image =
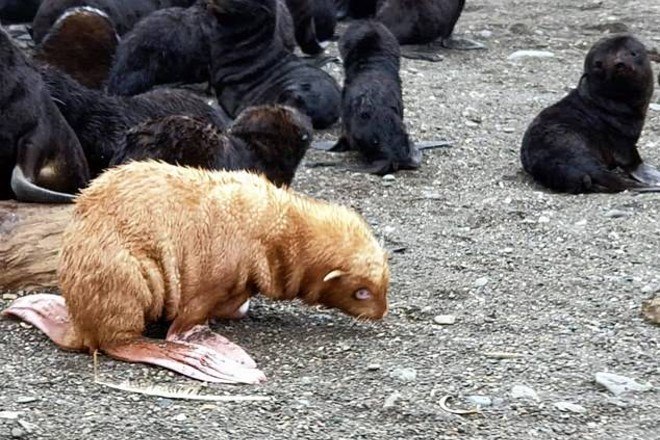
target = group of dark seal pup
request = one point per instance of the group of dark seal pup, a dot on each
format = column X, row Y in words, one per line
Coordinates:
column 103, row 67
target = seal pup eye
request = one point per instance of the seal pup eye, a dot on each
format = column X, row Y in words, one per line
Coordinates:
column 598, row 64
column 362, row 295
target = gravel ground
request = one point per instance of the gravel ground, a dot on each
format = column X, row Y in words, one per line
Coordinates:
column 555, row 281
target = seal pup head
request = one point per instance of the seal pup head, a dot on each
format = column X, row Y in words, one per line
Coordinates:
column 351, row 268
column 278, row 135
column 617, row 67
column 82, row 43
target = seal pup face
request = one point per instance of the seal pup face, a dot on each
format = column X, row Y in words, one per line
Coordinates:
column 348, row 268
column 380, row 135
column 618, row 67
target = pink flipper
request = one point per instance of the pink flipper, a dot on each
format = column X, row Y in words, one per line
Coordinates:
column 202, row 335
column 49, row 314
column 191, row 360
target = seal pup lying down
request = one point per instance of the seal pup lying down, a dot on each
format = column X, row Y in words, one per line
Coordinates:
column 41, row 159
column 271, row 140
column 372, row 105
column 587, row 142
column 151, row 241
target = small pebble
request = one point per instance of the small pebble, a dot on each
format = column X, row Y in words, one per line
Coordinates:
column 471, row 124
column 26, row 399
column 481, row 282
column 9, row 415
column 524, row 392
column 373, row 367
column 544, row 219
column 180, row 417
column 655, row 107
column 9, row 296
column 479, row 400
column 570, row 407
column 530, row 54
column 17, row 433
column 404, row 374
column 485, row 34
column 391, row 400
column 445, row 319
column 616, row 213
column 508, row 129
column 619, row 385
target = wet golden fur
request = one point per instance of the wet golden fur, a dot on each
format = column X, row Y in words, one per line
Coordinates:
column 150, row 240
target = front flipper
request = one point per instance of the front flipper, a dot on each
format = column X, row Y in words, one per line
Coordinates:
column 462, row 44
column 646, row 174
column 432, row 145
column 340, row 146
column 27, row 191
column 49, row 314
column 195, row 361
column 202, row 335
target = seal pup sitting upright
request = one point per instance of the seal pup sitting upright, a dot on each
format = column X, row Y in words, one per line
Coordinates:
column 151, row 241
column 263, row 71
column 271, row 140
column 587, row 142
column 41, row 159
column 372, row 105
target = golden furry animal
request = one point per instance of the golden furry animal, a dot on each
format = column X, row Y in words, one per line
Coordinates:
column 151, row 241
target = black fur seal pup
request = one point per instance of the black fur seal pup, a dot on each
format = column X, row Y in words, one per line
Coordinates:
column 271, row 140
column 325, row 19
column 82, row 42
column 304, row 25
column 101, row 121
column 587, row 142
column 172, row 46
column 124, row 14
column 263, row 71
column 372, row 105
column 18, row 11
column 41, row 159
column 420, row 22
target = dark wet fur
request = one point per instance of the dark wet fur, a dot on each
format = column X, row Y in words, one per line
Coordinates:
column 33, row 133
column 82, row 44
column 18, row 11
column 172, row 46
column 305, row 29
column 123, row 13
column 372, row 106
column 325, row 19
column 587, row 142
column 355, row 8
column 268, row 139
column 420, row 21
column 263, row 71
column 101, row 121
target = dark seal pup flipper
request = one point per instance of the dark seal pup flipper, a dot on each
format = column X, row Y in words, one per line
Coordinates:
column 462, row 44
column 339, row 146
column 25, row 190
column 646, row 174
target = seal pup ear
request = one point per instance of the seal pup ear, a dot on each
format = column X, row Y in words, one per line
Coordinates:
column 333, row 275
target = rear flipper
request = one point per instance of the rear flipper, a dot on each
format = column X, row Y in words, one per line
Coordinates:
column 462, row 44
column 49, row 314
column 646, row 174
column 202, row 335
column 433, row 51
column 82, row 43
column 192, row 360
